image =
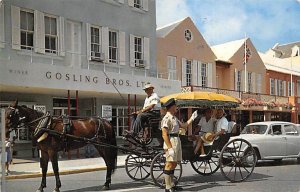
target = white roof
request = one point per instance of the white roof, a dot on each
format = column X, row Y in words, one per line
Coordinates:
column 286, row 49
column 270, row 123
column 165, row 30
column 281, row 65
column 226, row 50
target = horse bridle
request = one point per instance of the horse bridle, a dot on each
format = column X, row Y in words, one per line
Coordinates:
column 15, row 119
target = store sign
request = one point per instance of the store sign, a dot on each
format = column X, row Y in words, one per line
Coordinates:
column 59, row 77
column 107, row 112
column 40, row 108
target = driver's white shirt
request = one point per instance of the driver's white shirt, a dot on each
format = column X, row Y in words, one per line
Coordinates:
column 153, row 99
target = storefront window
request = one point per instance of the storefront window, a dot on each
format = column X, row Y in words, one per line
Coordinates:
column 60, row 106
column 281, row 116
column 257, row 116
column 120, row 119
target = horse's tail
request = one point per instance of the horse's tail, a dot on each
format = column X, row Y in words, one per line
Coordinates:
column 114, row 151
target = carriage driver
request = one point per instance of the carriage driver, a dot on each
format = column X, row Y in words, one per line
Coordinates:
column 172, row 146
column 151, row 108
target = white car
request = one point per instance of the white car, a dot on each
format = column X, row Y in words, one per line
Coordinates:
column 273, row 140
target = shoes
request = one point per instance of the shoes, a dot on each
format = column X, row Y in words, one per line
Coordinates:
column 169, row 190
column 202, row 155
column 177, row 188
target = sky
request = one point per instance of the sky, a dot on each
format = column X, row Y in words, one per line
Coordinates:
column 265, row 22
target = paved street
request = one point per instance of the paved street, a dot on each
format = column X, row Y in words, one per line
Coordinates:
column 267, row 177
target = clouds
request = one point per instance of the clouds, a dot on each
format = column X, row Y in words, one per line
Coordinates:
column 265, row 21
column 168, row 11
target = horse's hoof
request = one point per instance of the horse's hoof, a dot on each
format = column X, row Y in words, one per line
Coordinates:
column 39, row 190
column 105, row 187
column 56, row 190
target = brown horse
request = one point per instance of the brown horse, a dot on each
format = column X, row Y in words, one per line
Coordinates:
column 96, row 129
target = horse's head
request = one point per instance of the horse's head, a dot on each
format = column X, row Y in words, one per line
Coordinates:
column 14, row 116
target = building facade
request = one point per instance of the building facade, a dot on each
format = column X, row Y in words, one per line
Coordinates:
column 283, row 75
column 79, row 58
column 183, row 54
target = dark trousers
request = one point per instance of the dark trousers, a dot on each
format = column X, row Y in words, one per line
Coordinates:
column 139, row 121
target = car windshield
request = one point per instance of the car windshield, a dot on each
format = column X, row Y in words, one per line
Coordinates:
column 255, row 129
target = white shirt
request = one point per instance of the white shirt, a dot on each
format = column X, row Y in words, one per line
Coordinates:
column 222, row 124
column 207, row 126
column 231, row 124
column 153, row 99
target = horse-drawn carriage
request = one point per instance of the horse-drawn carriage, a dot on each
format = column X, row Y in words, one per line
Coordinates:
column 234, row 157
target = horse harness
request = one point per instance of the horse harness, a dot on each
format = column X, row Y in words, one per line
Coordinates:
column 46, row 122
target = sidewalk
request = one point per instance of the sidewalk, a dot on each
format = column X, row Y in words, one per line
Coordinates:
column 23, row 168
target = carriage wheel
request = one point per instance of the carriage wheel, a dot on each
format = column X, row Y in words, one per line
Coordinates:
column 157, row 168
column 237, row 160
column 137, row 168
column 206, row 165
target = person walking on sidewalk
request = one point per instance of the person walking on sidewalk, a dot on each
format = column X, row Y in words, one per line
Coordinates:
column 172, row 145
column 8, row 146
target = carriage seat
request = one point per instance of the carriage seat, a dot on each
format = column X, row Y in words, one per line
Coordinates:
column 154, row 122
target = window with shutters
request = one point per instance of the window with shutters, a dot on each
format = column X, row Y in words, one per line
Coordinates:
column 298, row 88
column 27, row 29
column 172, row 68
column 50, row 34
column 279, row 88
column 239, row 81
column 249, row 82
column 138, row 50
column 290, row 88
column 204, row 75
column 188, row 73
column 137, row 4
column 95, row 43
column 113, row 46
column 272, row 86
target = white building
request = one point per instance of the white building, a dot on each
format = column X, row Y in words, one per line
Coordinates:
column 98, row 51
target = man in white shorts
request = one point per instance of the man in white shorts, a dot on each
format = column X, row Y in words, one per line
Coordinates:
column 172, row 145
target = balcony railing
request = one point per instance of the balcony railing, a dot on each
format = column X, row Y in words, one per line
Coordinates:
column 239, row 94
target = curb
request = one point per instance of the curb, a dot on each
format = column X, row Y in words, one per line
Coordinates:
column 65, row 172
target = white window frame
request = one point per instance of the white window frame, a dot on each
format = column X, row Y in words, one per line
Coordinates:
column 290, row 90
column 204, row 78
column 239, row 81
column 188, row 72
column 272, row 86
column 26, row 31
column 138, row 4
column 249, row 82
column 280, row 88
column 137, row 51
column 94, row 44
column 51, row 51
column 113, row 48
column 172, row 73
column 298, row 87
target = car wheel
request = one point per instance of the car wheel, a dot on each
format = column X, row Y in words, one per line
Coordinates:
column 298, row 160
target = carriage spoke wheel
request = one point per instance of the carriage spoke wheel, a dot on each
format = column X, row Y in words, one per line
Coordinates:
column 157, row 168
column 237, row 160
column 137, row 168
column 206, row 165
